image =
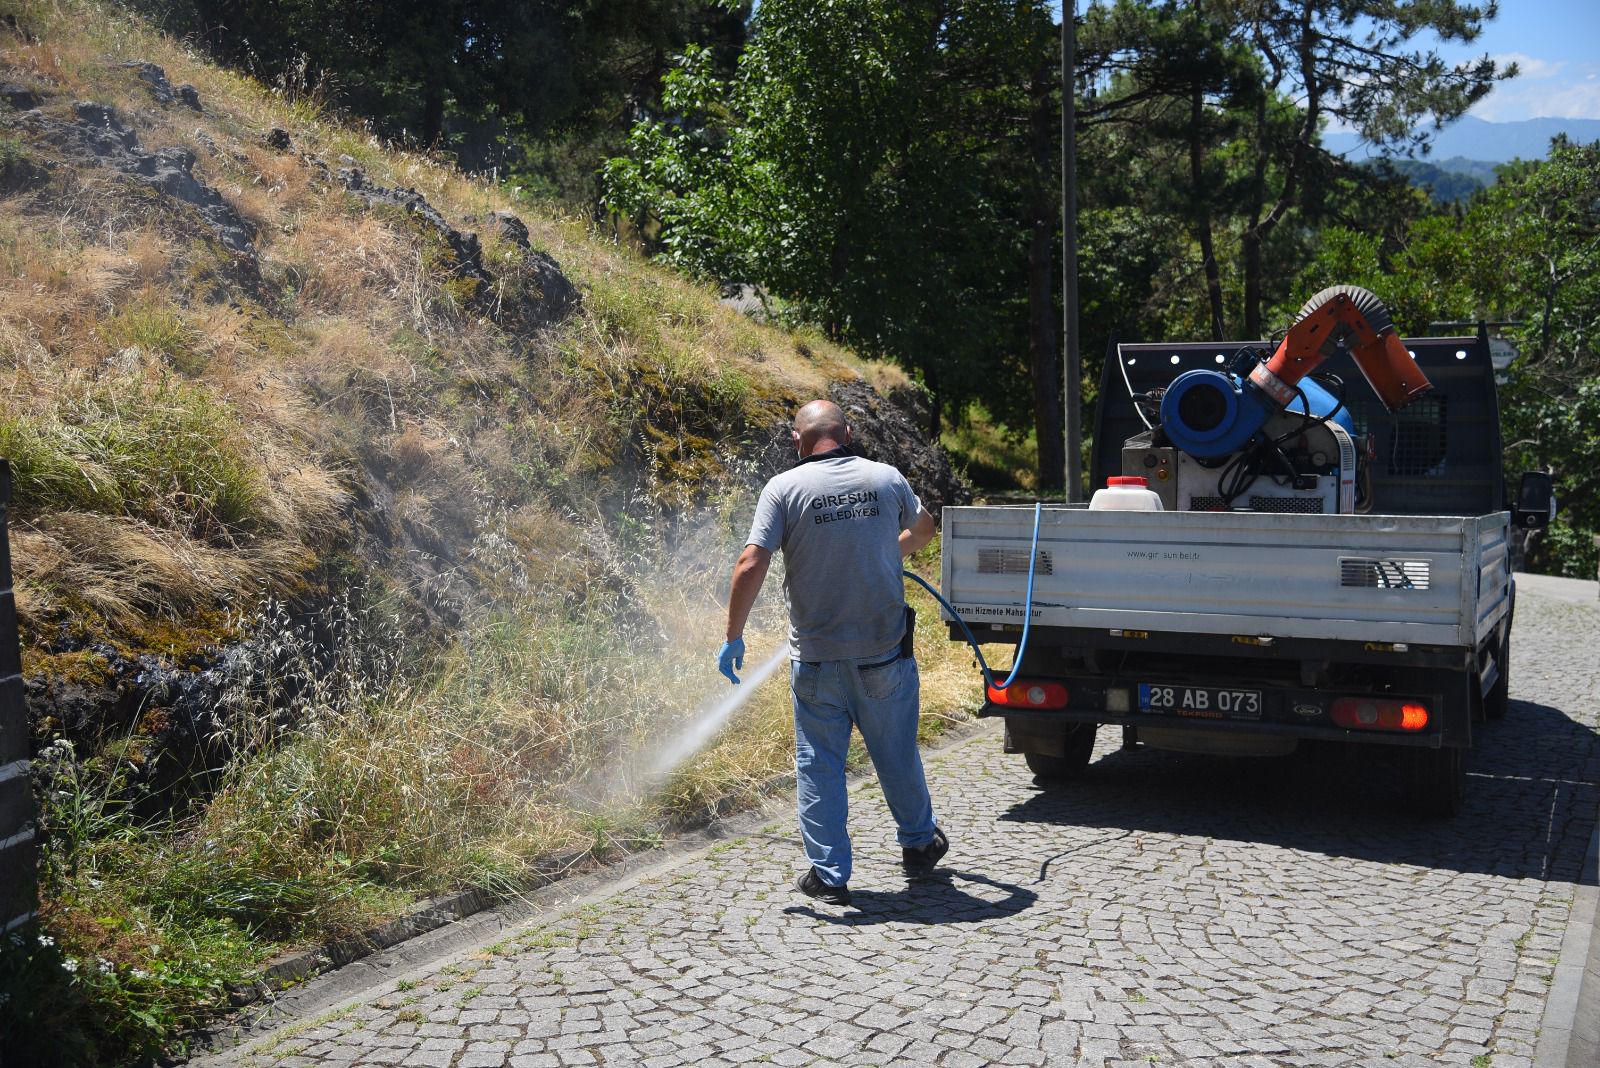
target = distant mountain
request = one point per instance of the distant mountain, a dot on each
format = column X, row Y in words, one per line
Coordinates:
column 1480, row 170
column 1447, row 182
column 1476, row 139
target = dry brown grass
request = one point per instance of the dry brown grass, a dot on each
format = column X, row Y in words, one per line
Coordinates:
column 350, row 266
column 120, row 569
column 116, row 291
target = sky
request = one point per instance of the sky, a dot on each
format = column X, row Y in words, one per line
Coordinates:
column 1556, row 45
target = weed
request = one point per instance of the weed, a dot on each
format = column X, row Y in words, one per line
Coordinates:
column 163, row 451
column 158, row 329
column 12, row 152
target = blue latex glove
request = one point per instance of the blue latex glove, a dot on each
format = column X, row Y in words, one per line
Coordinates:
column 731, row 656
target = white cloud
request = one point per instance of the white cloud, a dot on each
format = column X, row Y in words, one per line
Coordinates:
column 1529, row 68
column 1575, row 94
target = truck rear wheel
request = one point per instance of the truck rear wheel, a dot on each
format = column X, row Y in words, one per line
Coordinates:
column 1498, row 700
column 1077, row 748
column 1437, row 782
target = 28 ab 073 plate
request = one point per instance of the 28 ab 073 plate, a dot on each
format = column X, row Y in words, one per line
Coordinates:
column 1199, row 702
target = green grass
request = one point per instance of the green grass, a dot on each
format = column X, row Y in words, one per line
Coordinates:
column 992, row 457
column 165, row 451
column 158, row 329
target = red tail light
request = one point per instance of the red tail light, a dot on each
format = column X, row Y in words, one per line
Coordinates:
column 1379, row 714
column 1030, row 693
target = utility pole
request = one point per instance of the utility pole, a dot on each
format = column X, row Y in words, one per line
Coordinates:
column 1072, row 369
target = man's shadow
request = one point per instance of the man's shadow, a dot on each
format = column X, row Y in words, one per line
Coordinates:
column 927, row 899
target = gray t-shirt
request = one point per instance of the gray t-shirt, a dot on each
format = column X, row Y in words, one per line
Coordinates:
column 838, row 521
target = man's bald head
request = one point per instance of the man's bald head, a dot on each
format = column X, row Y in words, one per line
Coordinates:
column 820, row 426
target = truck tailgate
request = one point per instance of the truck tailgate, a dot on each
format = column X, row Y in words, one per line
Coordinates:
column 1430, row 580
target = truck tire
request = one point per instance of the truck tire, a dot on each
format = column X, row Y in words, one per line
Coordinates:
column 1437, row 782
column 1498, row 700
column 1077, row 747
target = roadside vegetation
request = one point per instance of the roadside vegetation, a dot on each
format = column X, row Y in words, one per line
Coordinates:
column 419, row 566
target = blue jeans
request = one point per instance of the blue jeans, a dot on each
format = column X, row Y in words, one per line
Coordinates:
column 880, row 699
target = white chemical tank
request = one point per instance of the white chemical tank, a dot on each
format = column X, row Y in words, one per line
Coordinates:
column 1126, row 493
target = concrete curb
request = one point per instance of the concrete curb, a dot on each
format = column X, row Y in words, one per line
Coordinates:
column 1569, row 1034
column 288, row 969
column 298, row 985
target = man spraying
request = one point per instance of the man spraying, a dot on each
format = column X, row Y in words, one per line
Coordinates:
column 844, row 523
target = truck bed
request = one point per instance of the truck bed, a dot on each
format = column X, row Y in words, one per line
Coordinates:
column 1425, row 580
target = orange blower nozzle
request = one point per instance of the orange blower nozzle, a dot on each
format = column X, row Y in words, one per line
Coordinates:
column 1352, row 317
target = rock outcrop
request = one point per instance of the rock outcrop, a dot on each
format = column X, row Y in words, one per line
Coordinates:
column 546, row 297
column 155, row 79
column 98, row 137
column 465, row 247
column 886, row 428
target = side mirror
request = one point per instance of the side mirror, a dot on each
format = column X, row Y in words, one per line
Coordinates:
column 1536, row 501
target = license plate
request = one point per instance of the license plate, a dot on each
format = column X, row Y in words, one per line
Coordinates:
column 1199, row 702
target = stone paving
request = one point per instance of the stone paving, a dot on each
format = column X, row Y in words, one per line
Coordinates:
column 1167, row 910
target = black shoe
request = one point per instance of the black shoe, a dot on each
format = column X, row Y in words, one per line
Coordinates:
column 923, row 859
column 811, row 885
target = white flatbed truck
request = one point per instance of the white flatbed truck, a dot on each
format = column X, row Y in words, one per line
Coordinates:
column 1250, row 632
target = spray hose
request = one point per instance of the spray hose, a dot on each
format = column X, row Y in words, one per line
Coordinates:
column 1027, row 612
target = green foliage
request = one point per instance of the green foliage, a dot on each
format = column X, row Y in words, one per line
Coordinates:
column 532, row 87
column 863, row 165
column 112, row 973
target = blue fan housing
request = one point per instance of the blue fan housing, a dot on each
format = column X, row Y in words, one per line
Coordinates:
column 1210, row 414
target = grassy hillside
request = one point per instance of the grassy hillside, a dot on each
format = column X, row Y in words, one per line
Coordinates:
column 364, row 536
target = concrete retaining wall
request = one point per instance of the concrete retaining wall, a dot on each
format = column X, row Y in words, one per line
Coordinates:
column 18, row 847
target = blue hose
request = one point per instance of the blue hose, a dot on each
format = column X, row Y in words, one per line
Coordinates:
column 1027, row 611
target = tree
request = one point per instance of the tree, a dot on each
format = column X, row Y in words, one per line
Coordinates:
column 1353, row 63
column 1245, row 87
column 878, row 166
column 514, row 84
column 1539, row 227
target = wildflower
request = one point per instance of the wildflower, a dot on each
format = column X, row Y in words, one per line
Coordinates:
column 46, row 941
column 69, row 965
column 139, row 973
column 106, row 967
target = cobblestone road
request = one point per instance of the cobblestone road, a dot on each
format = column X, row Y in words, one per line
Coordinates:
column 1169, row 910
